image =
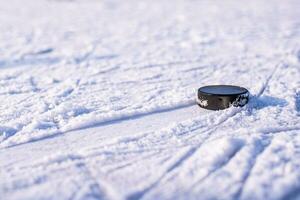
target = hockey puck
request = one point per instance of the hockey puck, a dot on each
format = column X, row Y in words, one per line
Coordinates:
column 219, row 97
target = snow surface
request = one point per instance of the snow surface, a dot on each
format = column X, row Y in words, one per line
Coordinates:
column 98, row 99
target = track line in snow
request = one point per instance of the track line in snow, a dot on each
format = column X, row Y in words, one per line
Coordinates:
column 248, row 174
column 297, row 102
column 173, row 164
column 135, row 116
column 268, row 79
column 93, row 186
column 131, row 162
column 272, row 130
column 169, row 64
column 221, row 119
column 222, row 164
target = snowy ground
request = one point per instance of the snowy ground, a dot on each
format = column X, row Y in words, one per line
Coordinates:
column 98, row 99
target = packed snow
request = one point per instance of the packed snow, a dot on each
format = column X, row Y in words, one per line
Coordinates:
column 98, row 99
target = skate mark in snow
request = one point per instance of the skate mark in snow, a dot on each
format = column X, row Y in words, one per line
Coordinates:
column 173, row 164
column 268, row 79
column 169, row 64
column 88, row 56
column 220, row 120
column 124, row 117
column 45, row 51
column 39, row 52
column 34, row 85
column 31, row 140
column 297, row 102
column 270, row 130
column 92, row 187
column 131, row 163
column 261, row 148
column 236, row 146
column 106, row 70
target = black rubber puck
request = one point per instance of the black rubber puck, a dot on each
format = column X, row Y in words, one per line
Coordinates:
column 219, row 97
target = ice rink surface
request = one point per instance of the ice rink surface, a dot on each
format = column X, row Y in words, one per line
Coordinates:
column 98, row 99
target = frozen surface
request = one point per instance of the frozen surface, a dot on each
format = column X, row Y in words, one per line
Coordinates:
column 98, row 99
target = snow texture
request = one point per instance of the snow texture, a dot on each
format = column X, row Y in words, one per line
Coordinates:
column 98, row 99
